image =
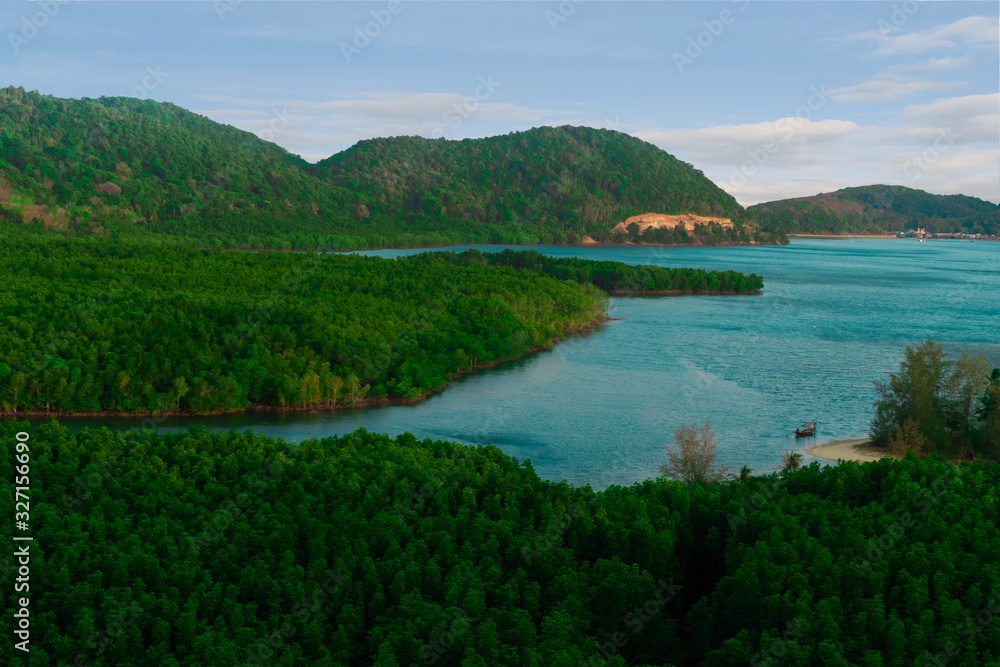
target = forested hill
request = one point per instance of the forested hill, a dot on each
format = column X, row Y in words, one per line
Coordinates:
column 875, row 209
column 133, row 168
column 567, row 182
column 119, row 163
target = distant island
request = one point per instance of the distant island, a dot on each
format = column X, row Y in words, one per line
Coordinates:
column 116, row 167
column 883, row 210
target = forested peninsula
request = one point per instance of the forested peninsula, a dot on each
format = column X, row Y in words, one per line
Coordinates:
column 95, row 327
column 237, row 549
column 123, row 168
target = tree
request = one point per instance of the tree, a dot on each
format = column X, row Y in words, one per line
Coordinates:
column 936, row 403
column 987, row 436
column 990, row 410
column 745, row 473
column 354, row 387
column 332, row 385
column 907, row 437
column 913, row 393
column 693, row 460
column 968, row 381
column 385, row 657
column 791, row 461
column 179, row 390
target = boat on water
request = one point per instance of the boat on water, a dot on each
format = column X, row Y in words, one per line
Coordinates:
column 807, row 432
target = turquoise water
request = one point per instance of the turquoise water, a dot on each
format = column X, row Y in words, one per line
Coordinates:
column 834, row 316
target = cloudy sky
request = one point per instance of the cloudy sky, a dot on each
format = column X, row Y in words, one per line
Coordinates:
column 769, row 99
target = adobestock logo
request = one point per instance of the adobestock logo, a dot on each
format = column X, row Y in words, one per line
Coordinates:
column 900, row 15
column 363, row 36
column 714, row 28
column 915, row 167
column 566, row 9
column 786, row 128
column 223, row 7
column 154, row 77
column 463, row 110
column 31, row 25
column 280, row 120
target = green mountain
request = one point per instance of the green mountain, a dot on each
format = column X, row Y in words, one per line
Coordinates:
column 130, row 165
column 134, row 168
column 875, row 209
column 555, row 183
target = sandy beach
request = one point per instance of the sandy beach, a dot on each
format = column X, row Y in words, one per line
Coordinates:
column 856, row 449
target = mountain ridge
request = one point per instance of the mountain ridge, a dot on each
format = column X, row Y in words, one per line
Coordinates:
column 114, row 166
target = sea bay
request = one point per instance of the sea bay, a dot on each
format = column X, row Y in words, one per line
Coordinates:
column 834, row 316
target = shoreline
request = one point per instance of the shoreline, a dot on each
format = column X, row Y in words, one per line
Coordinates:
column 854, row 449
column 515, row 245
column 677, row 292
column 314, row 408
column 841, row 236
column 875, row 236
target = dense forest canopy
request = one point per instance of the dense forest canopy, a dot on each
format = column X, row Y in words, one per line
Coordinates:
column 88, row 325
column 617, row 277
column 224, row 549
column 875, row 209
column 123, row 167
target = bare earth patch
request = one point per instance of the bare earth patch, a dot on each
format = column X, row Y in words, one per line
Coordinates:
column 662, row 220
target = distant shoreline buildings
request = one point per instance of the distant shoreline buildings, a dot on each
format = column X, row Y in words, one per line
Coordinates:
column 924, row 234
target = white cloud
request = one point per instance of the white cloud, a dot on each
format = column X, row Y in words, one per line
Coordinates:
column 728, row 144
column 916, row 149
column 954, row 108
column 237, row 101
column 969, row 31
column 217, row 113
column 974, row 118
column 932, row 65
column 894, row 83
column 318, row 129
column 947, row 169
column 417, row 109
column 953, row 170
column 425, row 107
column 888, row 89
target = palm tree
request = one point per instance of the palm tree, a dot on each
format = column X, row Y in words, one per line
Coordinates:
column 791, row 461
column 744, row 475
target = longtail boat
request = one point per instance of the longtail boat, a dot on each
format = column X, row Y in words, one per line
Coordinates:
column 806, row 432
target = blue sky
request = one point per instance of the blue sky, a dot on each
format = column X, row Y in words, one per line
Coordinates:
column 769, row 99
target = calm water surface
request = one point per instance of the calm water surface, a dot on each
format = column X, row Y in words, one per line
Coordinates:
column 835, row 315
